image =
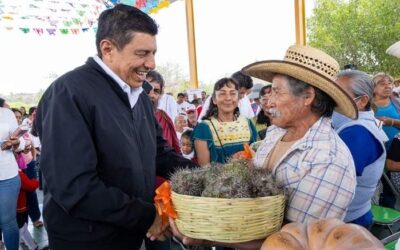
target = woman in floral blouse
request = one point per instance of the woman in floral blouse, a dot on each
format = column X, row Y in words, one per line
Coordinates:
column 222, row 131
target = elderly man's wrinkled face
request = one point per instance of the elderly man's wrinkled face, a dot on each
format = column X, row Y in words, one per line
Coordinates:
column 285, row 109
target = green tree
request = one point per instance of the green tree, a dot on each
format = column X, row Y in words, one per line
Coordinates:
column 357, row 32
column 175, row 79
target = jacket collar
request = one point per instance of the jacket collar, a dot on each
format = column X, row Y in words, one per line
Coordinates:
column 110, row 81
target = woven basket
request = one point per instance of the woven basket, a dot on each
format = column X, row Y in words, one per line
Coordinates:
column 228, row 220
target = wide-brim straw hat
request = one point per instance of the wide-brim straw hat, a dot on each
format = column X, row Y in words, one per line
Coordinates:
column 311, row 66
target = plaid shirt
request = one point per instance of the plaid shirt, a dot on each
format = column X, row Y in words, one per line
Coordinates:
column 317, row 172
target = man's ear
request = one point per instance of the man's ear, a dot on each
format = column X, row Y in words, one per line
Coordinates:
column 106, row 49
column 309, row 96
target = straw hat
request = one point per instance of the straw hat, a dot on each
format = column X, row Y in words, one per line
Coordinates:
column 312, row 66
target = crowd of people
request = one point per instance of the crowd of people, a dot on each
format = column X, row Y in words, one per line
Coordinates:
column 110, row 135
column 20, row 151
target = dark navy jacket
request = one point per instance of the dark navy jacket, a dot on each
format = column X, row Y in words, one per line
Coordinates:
column 99, row 159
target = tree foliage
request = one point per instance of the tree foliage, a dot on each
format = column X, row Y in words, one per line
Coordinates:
column 357, row 32
column 175, row 79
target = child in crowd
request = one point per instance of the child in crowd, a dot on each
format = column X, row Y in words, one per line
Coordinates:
column 187, row 145
column 27, row 185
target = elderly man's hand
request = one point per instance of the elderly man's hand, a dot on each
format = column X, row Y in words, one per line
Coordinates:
column 250, row 245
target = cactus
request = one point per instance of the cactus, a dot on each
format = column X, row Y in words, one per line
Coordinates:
column 231, row 180
column 263, row 183
column 239, row 162
column 230, row 183
column 187, row 182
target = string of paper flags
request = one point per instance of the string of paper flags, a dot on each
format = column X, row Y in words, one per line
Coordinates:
column 63, row 17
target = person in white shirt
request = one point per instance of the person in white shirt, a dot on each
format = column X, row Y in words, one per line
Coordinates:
column 182, row 104
column 3, row 103
column 245, row 108
column 9, row 179
column 245, row 85
column 254, row 97
column 168, row 104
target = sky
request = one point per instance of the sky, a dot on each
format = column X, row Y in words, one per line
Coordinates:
column 229, row 35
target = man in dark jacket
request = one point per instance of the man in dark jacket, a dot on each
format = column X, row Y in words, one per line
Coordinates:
column 101, row 145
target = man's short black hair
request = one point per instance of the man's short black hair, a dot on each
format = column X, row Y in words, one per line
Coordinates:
column 118, row 24
column 181, row 95
column 244, row 81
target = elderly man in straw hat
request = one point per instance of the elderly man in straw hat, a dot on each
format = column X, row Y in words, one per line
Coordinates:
column 301, row 149
column 303, row 152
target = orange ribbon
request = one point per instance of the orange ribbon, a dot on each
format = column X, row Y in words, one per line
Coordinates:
column 247, row 153
column 163, row 202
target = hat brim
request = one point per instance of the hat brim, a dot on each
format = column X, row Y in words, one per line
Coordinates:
column 266, row 70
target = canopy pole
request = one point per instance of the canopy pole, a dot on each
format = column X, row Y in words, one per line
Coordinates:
column 191, row 44
column 300, row 21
